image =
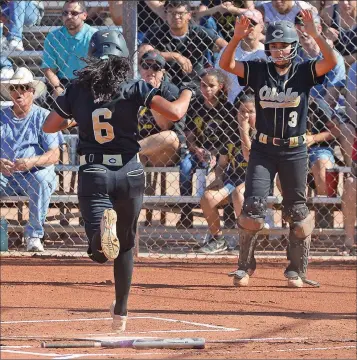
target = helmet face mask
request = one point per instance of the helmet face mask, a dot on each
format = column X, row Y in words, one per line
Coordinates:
column 108, row 42
column 282, row 32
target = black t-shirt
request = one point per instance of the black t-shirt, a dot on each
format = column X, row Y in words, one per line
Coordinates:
column 318, row 116
column 106, row 128
column 192, row 46
column 147, row 122
column 213, row 127
column 237, row 165
column 281, row 102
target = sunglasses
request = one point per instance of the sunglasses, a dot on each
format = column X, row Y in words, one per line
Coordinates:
column 252, row 23
column 72, row 13
column 154, row 66
column 20, row 87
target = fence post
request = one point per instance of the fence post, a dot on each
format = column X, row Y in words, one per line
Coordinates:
column 130, row 31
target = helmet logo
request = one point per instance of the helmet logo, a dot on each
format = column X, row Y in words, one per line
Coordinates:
column 278, row 34
column 105, row 34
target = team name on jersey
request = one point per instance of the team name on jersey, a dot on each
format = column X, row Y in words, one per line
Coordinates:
column 270, row 98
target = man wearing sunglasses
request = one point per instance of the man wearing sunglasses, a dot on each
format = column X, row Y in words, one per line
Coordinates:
column 182, row 43
column 160, row 139
column 64, row 47
column 27, row 154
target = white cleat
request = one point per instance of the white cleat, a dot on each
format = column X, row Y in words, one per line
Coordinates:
column 295, row 282
column 119, row 322
column 243, row 282
column 34, row 245
column 108, row 234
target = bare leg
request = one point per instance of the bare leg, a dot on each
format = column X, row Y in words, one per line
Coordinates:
column 160, row 149
column 209, row 203
column 238, row 199
column 319, row 172
column 346, row 140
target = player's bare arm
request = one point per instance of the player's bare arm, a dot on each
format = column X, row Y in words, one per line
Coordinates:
column 175, row 110
column 329, row 60
column 55, row 122
column 227, row 61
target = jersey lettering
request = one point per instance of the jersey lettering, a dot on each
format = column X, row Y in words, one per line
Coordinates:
column 270, row 98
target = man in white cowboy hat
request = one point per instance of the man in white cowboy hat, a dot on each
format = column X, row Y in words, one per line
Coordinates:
column 27, row 154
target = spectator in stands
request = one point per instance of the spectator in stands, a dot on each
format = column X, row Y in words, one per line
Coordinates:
column 209, row 119
column 335, row 79
column 230, row 175
column 346, row 42
column 65, row 47
column 224, row 13
column 276, row 10
column 348, row 125
column 159, row 138
column 340, row 16
column 183, row 45
column 250, row 48
column 18, row 14
column 322, row 4
column 349, row 208
column 319, row 139
column 27, row 154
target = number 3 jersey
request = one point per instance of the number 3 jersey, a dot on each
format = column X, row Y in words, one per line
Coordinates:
column 281, row 101
column 110, row 128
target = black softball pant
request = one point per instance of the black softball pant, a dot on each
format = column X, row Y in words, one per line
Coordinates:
column 266, row 161
column 102, row 187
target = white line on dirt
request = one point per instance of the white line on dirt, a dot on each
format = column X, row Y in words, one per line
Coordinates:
column 29, row 353
column 131, row 318
column 310, row 349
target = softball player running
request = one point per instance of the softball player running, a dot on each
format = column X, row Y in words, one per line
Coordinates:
column 111, row 180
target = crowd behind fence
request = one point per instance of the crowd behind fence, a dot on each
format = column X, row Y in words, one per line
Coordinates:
column 195, row 168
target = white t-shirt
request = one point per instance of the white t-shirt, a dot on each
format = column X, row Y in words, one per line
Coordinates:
column 240, row 55
column 271, row 14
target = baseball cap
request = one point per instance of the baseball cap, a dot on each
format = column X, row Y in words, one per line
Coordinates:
column 299, row 20
column 154, row 56
column 254, row 15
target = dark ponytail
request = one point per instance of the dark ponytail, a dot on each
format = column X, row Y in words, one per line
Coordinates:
column 103, row 76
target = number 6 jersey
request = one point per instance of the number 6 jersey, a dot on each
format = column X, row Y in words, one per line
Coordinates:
column 110, row 128
column 281, row 101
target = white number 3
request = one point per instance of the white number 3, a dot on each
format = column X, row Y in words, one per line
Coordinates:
column 293, row 119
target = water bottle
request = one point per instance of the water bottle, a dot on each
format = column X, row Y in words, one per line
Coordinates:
column 200, row 182
column 4, row 239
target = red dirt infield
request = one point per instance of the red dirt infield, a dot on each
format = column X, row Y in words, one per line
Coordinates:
column 48, row 298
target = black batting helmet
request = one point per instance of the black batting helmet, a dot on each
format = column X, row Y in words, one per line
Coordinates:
column 108, row 42
column 282, row 31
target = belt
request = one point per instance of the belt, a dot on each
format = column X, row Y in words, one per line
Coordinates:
column 111, row 160
column 290, row 142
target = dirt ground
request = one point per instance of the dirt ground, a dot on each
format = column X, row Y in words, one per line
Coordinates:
column 49, row 299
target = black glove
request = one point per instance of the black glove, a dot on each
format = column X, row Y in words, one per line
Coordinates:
column 189, row 86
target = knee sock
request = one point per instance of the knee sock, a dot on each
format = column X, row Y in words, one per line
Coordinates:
column 123, row 270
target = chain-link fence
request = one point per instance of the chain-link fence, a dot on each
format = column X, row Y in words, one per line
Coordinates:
column 196, row 167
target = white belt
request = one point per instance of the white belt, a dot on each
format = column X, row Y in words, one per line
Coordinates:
column 111, row 160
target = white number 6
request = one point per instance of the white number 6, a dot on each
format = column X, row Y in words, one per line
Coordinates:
column 103, row 131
